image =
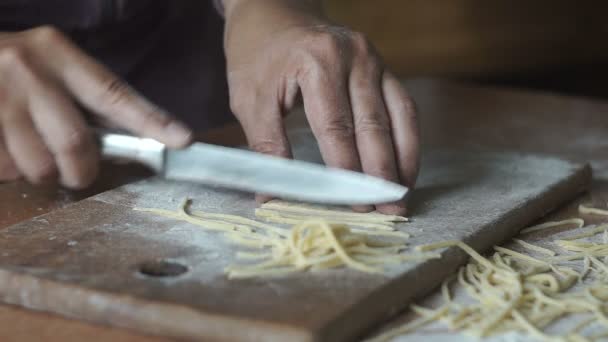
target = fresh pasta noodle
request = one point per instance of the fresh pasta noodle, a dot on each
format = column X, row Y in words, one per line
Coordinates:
column 308, row 210
column 535, row 248
column 588, row 233
column 582, row 209
column 576, row 221
column 312, row 243
column 514, row 291
column 283, row 218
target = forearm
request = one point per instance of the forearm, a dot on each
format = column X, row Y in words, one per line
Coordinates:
column 306, row 5
column 253, row 22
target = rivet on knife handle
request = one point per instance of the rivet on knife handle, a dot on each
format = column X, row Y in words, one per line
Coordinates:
column 147, row 151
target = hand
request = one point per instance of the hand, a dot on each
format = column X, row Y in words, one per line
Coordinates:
column 43, row 133
column 359, row 113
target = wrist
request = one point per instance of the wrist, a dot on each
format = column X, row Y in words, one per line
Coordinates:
column 274, row 11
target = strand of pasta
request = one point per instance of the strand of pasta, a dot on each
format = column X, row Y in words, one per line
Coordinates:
column 589, row 233
column 276, row 217
column 579, row 223
column 240, row 220
column 399, row 234
column 529, row 295
column 208, row 224
column 322, row 212
column 520, row 256
column 535, row 248
column 583, row 209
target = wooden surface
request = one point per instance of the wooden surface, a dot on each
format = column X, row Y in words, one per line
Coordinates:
column 477, row 37
column 451, row 114
column 84, row 261
column 439, row 332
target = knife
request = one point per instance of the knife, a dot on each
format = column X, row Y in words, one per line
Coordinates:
column 253, row 172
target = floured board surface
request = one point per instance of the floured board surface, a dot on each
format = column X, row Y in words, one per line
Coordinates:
column 84, row 261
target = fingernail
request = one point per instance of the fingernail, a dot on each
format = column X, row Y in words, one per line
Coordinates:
column 397, row 208
column 179, row 133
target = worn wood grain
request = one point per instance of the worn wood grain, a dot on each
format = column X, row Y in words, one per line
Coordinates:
column 85, row 260
column 451, row 114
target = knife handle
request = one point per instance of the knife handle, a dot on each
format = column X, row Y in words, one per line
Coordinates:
column 144, row 150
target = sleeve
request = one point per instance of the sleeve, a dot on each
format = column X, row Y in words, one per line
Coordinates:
column 219, row 6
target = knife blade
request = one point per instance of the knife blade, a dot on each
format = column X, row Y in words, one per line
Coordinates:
column 253, row 172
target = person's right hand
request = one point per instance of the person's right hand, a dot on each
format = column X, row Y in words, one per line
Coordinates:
column 43, row 134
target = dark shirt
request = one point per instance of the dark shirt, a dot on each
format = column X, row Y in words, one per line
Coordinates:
column 171, row 51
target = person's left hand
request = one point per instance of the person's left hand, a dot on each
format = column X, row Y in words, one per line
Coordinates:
column 359, row 113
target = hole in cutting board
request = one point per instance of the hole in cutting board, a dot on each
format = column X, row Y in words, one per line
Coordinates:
column 162, row 268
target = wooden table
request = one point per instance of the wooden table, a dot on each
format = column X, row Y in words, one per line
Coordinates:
column 451, row 114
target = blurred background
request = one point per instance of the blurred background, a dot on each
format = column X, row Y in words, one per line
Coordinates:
column 553, row 45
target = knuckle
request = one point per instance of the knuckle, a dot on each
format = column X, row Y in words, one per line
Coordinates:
column 270, row 147
column 327, row 41
column 76, row 142
column 363, row 81
column 361, row 43
column 16, row 67
column 338, row 127
column 114, row 91
column 315, row 68
column 380, row 125
column 13, row 56
column 384, row 168
column 407, row 108
column 325, row 45
column 47, row 35
column 358, row 38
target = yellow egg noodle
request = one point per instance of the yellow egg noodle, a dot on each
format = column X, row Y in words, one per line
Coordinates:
column 535, row 248
column 308, row 210
column 577, row 221
column 319, row 239
column 513, row 291
column 585, row 210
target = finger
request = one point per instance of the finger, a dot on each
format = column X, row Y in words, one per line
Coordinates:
column 264, row 129
column 27, row 148
column 107, row 95
column 8, row 169
column 325, row 95
column 65, row 132
column 404, row 125
column 373, row 128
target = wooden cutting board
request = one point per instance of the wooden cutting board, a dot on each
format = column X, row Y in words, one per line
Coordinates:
column 86, row 260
